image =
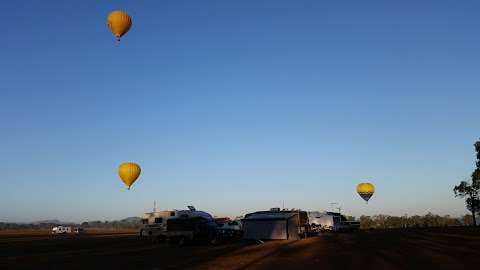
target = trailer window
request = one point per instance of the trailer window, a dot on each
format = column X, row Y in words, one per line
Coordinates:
column 158, row 220
column 172, row 214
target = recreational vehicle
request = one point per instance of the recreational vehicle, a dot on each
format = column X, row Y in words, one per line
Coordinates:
column 178, row 225
column 61, row 230
column 275, row 224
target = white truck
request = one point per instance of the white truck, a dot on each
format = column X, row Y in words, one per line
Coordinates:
column 331, row 221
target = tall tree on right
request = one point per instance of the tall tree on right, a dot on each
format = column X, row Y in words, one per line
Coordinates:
column 471, row 191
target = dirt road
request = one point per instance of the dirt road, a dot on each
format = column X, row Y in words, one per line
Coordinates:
column 455, row 248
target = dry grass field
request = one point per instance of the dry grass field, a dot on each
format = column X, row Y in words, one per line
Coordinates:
column 440, row 248
column 30, row 234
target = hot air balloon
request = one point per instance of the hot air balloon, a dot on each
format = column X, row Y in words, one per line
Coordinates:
column 119, row 23
column 129, row 173
column 365, row 190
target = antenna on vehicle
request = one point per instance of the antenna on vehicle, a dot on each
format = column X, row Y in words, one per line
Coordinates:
column 332, row 204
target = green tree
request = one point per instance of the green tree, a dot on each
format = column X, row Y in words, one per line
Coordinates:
column 416, row 221
column 380, row 221
column 471, row 191
column 366, row 222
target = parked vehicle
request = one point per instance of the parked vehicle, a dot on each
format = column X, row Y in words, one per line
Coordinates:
column 61, row 230
column 331, row 221
column 229, row 229
column 354, row 225
column 79, row 231
column 181, row 230
column 276, row 224
column 179, row 226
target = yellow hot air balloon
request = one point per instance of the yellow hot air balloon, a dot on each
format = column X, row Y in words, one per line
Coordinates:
column 365, row 190
column 119, row 23
column 129, row 173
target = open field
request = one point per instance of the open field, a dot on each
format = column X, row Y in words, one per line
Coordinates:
column 44, row 234
column 452, row 248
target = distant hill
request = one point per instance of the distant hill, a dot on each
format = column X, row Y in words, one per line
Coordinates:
column 48, row 221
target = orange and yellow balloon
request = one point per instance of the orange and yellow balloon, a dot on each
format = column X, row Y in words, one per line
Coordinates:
column 129, row 172
column 119, row 23
column 365, row 190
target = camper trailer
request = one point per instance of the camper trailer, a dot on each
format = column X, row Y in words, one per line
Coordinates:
column 178, row 225
column 61, row 230
column 275, row 224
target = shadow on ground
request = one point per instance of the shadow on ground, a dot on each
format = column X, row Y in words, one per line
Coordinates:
column 451, row 248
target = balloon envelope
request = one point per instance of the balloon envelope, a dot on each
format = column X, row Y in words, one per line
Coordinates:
column 129, row 172
column 365, row 190
column 119, row 23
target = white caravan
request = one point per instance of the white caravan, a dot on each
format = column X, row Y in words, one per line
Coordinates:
column 61, row 230
column 155, row 223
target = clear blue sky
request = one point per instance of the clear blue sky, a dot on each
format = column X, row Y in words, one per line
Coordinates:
column 236, row 106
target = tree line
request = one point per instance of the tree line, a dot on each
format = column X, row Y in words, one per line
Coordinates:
column 416, row 221
column 122, row 224
column 128, row 223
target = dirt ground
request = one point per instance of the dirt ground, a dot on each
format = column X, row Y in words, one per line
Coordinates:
column 452, row 248
column 46, row 232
